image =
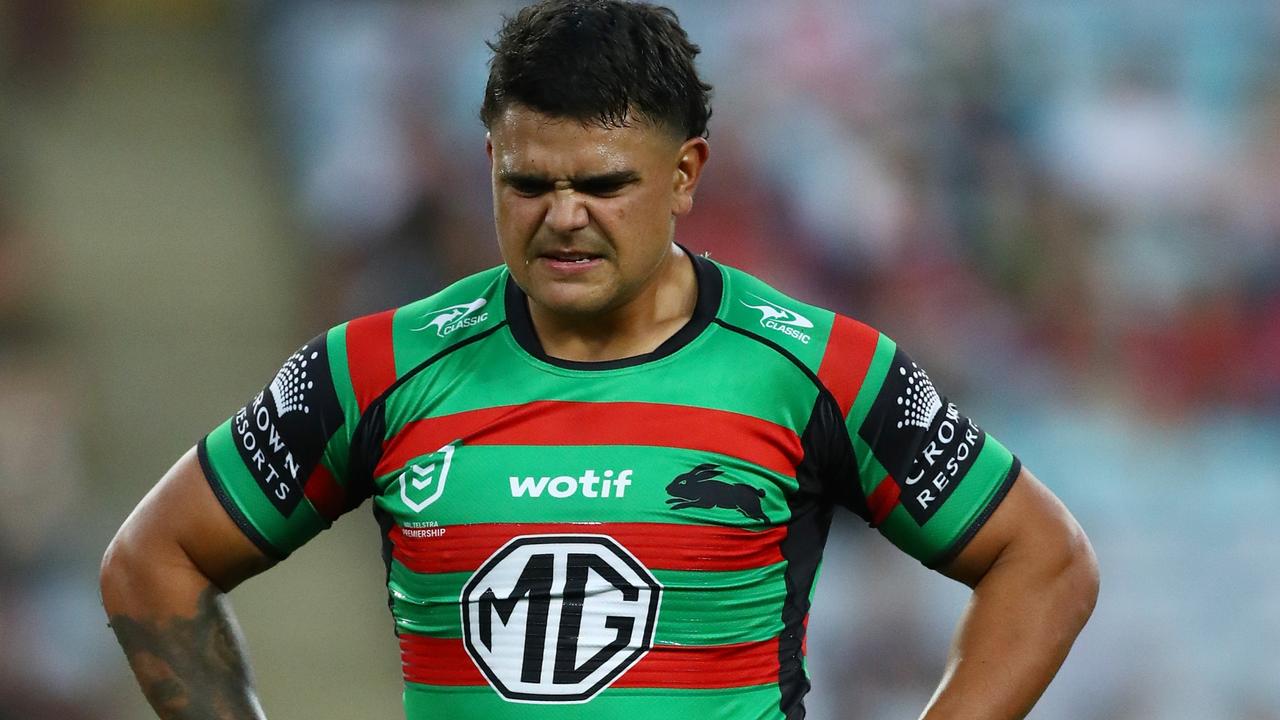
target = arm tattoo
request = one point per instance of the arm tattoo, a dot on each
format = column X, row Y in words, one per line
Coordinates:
column 191, row 668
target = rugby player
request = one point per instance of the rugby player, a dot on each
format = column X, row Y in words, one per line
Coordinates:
column 603, row 472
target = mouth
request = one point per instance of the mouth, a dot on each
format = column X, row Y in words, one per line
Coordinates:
column 569, row 256
column 569, row 261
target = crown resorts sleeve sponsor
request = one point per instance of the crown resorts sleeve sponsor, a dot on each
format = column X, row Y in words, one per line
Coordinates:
column 930, row 475
column 272, row 463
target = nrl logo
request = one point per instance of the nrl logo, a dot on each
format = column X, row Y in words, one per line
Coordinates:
column 418, row 480
column 454, row 317
column 776, row 317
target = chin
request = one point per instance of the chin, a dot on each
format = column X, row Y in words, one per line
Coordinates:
column 575, row 303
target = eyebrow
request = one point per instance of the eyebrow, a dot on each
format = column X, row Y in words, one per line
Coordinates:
column 608, row 179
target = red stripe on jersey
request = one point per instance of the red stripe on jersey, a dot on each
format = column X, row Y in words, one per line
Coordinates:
column 695, row 667
column 847, row 357
column 371, row 356
column 559, row 423
column 460, row 548
column 326, row 495
column 440, row 661
column 437, row 661
column 883, row 500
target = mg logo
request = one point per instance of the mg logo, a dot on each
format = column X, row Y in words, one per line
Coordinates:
column 421, row 485
column 558, row 618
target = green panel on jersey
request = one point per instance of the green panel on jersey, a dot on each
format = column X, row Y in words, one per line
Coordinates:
column 482, row 703
column 799, row 328
column 426, row 604
column 967, row 503
column 698, row 608
column 251, row 504
column 336, row 343
column 747, row 605
column 514, row 483
column 337, row 453
column 499, row 373
column 467, row 307
column 870, row 471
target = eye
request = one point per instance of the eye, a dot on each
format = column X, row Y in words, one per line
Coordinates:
column 528, row 187
column 601, row 189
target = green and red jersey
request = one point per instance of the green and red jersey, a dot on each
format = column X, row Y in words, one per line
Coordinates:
column 635, row 538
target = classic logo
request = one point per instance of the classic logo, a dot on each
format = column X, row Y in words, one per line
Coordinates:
column 776, row 317
column 423, row 481
column 922, row 440
column 558, row 618
column 454, row 317
column 698, row 489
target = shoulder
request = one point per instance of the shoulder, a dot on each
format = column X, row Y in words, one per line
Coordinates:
column 381, row 347
column 835, row 349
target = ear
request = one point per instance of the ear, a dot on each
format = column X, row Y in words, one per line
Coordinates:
column 692, row 158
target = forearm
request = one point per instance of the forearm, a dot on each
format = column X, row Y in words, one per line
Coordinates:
column 181, row 640
column 1021, row 622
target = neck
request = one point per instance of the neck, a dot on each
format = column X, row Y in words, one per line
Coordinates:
column 637, row 327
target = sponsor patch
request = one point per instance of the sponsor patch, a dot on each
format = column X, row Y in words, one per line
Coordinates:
column 698, row 488
column 920, row 438
column 558, row 618
column 780, row 319
column 283, row 431
column 422, row 481
column 453, row 318
column 590, row 484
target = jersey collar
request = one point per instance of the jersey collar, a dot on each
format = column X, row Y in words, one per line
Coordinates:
column 710, row 286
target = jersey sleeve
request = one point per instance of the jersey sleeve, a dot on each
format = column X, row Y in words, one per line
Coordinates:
column 928, row 476
column 280, row 464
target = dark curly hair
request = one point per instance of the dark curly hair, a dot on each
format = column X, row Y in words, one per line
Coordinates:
column 598, row 61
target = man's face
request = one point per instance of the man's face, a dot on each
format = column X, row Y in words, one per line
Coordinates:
column 585, row 214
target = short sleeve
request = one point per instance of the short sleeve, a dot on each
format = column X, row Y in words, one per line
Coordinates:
column 279, row 464
column 929, row 475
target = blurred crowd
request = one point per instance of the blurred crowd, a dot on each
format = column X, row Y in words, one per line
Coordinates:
column 50, row 639
column 1066, row 204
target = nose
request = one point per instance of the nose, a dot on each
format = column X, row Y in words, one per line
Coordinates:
column 567, row 212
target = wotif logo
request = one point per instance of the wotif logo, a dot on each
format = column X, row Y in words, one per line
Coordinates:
column 776, row 317
column 589, row 485
column 455, row 317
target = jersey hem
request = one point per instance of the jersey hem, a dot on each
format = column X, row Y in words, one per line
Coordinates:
column 233, row 510
column 956, row 547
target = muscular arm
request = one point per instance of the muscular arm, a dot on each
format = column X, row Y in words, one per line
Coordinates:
column 1035, row 582
column 163, row 579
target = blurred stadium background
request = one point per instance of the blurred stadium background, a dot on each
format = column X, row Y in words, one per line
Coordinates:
column 1068, row 212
